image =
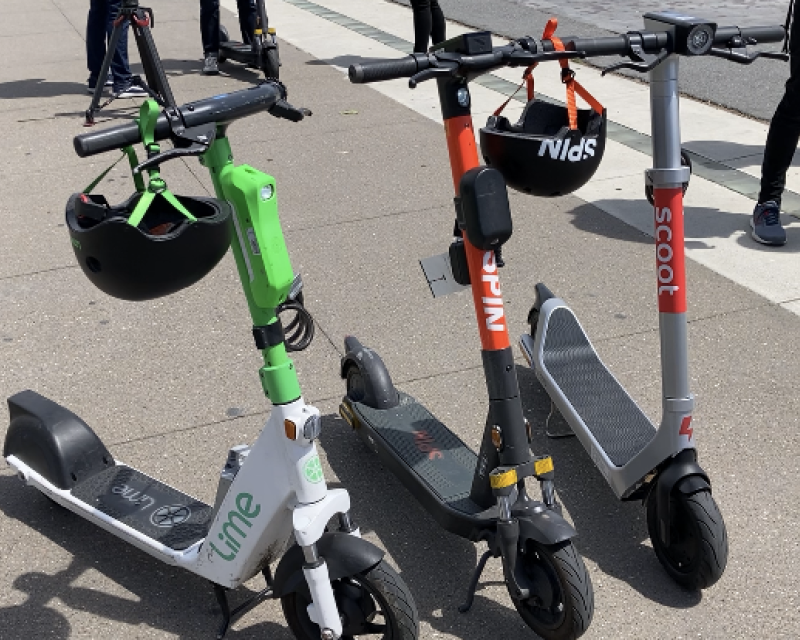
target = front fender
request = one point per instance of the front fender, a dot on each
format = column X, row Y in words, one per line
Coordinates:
column 546, row 527
column 684, row 473
column 345, row 555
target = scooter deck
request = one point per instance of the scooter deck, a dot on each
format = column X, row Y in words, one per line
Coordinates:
column 150, row 507
column 237, row 48
column 612, row 417
column 435, row 454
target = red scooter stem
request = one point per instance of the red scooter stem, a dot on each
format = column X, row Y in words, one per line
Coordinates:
column 670, row 254
column 483, row 271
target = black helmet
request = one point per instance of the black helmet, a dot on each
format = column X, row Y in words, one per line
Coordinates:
column 540, row 154
column 165, row 253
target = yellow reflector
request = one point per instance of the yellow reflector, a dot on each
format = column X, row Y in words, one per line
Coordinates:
column 291, row 429
column 271, row 31
column 258, row 32
column 543, row 466
column 502, row 480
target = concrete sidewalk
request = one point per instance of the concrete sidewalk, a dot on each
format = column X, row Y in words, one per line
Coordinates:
column 365, row 191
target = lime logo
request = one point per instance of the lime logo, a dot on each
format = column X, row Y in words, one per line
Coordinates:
column 234, row 531
column 76, row 244
column 313, row 470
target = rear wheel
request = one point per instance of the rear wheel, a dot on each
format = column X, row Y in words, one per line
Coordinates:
column 375, row 604
column 561, row 605
column 698, row 547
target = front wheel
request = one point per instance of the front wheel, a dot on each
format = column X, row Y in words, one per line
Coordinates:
column 272, row 63
column 374, row 604
column 698, row 547
column 561, row 604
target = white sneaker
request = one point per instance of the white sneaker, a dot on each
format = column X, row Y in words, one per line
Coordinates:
column 132, row 91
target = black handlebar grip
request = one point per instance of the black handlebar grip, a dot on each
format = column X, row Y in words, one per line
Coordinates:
column 383, row 70
column 89, row 144
column 761, row 35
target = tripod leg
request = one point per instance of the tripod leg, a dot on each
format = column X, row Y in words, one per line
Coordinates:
column 116, row 34
column 153, row 70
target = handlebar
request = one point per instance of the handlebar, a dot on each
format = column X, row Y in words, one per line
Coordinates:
column 222, row 109
column 451, row 57
column 760, row 34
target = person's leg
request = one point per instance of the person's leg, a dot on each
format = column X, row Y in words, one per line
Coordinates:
column 782, row 139
column 209, row 26
column 437, row 23
column 784, row 130
column 422, row 24
column 120, row 69
column 95, row 38
column 247, row 19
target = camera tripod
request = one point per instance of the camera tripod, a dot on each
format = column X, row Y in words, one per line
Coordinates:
column 141, row 20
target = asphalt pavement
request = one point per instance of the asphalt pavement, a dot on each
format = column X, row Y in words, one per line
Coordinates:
column 365, row 191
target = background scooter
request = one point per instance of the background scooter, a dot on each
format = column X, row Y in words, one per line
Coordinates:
column 331, row 584
column 259, row 51
column 479, row 497
column 642, row 461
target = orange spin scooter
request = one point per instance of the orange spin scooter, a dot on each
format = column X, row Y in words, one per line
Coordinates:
column 481, row 497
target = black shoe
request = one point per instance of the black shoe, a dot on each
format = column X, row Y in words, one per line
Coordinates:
column 766, row 224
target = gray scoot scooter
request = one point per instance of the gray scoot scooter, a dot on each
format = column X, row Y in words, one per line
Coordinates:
column 642, row 461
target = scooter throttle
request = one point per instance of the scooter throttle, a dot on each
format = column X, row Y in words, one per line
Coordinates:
column 388, row 69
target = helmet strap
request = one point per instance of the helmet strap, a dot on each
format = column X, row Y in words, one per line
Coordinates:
column 567, row 77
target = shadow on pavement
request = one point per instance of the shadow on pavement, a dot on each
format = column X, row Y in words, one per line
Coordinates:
column 585, row 217
column 162, row 597
column 610, row 533
column 588, row 219
column 43, row 88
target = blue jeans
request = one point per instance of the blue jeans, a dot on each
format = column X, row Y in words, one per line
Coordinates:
column 99, row 26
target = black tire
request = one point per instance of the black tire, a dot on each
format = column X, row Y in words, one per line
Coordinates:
column 354, row 384
column 223, row 37
column 272, row 63
column 686, row 161
column 377, row 593
column 565, row 586
column 698, row 550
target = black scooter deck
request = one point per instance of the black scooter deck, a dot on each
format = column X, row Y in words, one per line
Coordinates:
column 426, row 446
column 150, row 507
column 613, row 418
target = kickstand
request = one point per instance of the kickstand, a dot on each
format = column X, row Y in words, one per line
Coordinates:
column 564, row 433
column 473, row 584
column 228, row 616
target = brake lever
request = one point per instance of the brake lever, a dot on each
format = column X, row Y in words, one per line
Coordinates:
column 740, row 55
column 199, row 140
column 282, row 109
column 647, row 61
column 428, row 74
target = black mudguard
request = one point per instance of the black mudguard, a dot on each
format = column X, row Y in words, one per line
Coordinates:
column 344, row 554
column 53, row 441
column 546, row 528
column 684, row 474
column 379, row 391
